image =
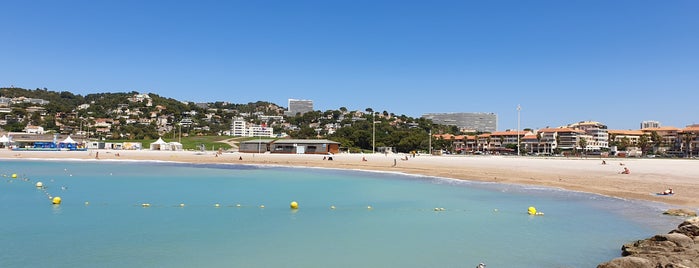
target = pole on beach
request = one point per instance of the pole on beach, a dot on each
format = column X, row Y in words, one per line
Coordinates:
column 519, row 108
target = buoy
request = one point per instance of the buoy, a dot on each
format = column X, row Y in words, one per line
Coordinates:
column 87, row 203
column 14, row 175
column 237, row 205
column 181, row 205
column 294, row 205
column 369, row 207
column 332, row 207
column 217, row 205
column 531, row 211
column 145, row 205
column 56, row 200
column 39, row 184
column 262, row 206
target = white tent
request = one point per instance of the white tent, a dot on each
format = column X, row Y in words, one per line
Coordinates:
column 158, row 145
column 175, row 146
column 4, row 140
column 69, row 140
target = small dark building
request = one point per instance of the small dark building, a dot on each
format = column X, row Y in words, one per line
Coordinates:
column 305, row 147
column 255, row 146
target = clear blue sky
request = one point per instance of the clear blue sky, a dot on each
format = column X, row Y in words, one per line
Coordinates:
column 617, row 62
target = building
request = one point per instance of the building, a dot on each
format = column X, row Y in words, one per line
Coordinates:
column 478, row 122
column 299, row 107
column 240, row 128
column 650, row 124
column 597, row 136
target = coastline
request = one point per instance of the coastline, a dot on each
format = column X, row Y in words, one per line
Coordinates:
column 647, row 177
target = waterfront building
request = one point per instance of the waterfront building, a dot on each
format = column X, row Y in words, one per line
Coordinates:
column 480, row 122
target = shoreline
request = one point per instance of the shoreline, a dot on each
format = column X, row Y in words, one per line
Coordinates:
column 588, row 175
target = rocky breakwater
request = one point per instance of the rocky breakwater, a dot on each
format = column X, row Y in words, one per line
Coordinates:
column 679, row 248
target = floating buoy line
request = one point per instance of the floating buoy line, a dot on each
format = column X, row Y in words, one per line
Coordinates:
column 293, row 205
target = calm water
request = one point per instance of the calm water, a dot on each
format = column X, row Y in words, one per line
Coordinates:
column 482, row 222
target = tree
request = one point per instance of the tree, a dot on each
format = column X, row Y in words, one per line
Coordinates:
column 644, row 143
column 582, row 143
column 657, row 140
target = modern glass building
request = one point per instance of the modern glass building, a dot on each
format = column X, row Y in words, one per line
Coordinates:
column 479, row 122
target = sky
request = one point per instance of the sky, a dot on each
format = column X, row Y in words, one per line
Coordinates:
column 617, row 62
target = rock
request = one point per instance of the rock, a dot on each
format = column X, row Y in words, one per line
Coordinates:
column 679, row 248
column 680, row 212
column 627, row 262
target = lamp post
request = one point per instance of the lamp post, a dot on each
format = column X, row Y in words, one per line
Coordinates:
column 373, row 133
column 429, row 142
column 519, row 108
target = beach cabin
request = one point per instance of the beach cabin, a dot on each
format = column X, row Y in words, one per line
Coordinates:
column 255, row 146
column 293, row 146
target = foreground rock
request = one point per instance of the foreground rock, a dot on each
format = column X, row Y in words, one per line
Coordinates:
column 679, row 248
column 680, row 212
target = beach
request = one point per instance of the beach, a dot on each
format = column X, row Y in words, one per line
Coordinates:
column 647, row 176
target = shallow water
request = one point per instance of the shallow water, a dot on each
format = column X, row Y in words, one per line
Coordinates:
column 482, row 222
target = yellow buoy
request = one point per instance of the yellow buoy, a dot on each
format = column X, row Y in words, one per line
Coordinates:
column 145, row 205
column 217, row 205
column 369, row 207
column 262, row 206
column 237, row 205
column 39, row 184
column 87, row 203
column 531, row 211
column 332, row 207
column 14, row 176
column 182, row 205
column 56, row 200
column 294, row 205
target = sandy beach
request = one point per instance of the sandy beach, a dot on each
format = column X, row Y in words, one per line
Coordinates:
column 647, row 176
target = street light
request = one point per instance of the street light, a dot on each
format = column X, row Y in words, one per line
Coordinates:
column 373, row 133
column 519, row 108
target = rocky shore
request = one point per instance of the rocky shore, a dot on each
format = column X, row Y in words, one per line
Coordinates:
column 678, row 248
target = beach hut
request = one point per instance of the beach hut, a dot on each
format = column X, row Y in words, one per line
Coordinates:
column 159, row 145
column 300, row 146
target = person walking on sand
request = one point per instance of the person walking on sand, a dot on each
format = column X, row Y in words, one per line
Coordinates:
column 395, row 162
column 97, row 155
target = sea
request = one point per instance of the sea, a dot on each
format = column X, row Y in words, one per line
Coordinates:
column 164, row 214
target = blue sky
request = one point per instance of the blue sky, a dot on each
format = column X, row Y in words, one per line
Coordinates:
column 617, row 62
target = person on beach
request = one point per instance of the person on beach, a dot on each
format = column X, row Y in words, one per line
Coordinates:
column 395, row 162
column 604, row 162
column 669, row 191
column 97, row 155
column 363, row 159
column 626, row 171
column 240, row 158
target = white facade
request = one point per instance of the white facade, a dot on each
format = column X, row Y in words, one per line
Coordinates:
column 240, row 128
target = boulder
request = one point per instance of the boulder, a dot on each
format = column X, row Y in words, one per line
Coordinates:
column 627, row 262
column 680, row 212
column 679, row 248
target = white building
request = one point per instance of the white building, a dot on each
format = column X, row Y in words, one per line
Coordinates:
column 240, row 128
column 650, row 124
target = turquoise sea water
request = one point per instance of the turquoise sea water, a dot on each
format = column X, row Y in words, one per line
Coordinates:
column 481, row 223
